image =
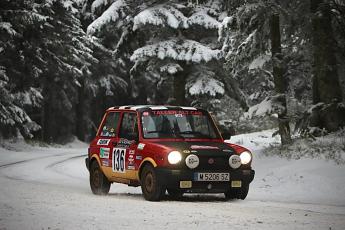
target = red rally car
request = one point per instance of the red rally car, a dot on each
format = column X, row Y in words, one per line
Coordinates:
column 178, row 149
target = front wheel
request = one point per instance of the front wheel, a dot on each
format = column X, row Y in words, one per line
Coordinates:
column 150, row 186
column 237, row 193
column 99, row 183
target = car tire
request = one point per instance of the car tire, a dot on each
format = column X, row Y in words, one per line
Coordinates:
column 175, row 193
column 150, row 186
column 237, row 193
column 99, row 183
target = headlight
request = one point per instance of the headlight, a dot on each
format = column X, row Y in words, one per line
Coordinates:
column 246, row 157
column 174, row 157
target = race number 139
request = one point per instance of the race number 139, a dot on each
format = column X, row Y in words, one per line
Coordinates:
column 119, row 156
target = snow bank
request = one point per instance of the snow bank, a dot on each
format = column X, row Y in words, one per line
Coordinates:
column 305, row 172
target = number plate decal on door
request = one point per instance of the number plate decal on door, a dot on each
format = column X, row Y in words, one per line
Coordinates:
column 119, row 156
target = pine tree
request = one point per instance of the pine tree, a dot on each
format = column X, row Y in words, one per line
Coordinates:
column 68, row 58
column 168, row 52
column 174, row 48
column 45, row 61
column 20, row 66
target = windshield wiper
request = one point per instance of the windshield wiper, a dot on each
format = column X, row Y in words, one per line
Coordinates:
column 155, row 131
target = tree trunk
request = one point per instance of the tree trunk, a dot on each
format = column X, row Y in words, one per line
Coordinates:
column 179, row 89
column 279, row 80
column 326, row 86
column 179, row 84
column 81, row 126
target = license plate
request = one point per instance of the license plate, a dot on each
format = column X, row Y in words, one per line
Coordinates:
column 211, row 176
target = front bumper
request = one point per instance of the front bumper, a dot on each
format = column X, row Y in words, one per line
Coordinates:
column 172, row 179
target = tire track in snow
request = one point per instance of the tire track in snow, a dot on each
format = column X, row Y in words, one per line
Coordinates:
column 53, row 166
column 29, row 160
column 40, row 163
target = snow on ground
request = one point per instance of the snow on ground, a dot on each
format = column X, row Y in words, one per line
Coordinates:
column 48, row 189
column 306, row 180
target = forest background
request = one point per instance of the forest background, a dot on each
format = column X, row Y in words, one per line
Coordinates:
column 63, row 63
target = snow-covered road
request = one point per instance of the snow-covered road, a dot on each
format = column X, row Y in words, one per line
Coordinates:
column 47, row 188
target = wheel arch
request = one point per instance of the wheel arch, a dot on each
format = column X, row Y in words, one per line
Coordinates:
column 93, row 158
column 146, row 161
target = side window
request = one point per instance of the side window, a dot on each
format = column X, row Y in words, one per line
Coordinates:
column 129, row 127
column 110, row 124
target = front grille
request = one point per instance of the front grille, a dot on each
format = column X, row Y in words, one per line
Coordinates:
column 219, row 163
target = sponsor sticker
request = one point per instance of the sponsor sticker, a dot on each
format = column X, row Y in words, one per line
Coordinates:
column 130, row 158
column 131, row 152
column 141, row 146
column 105, row 162
column 124, row 143
column 139, row 157
column 103, row 141
column 131, row 167
column 174, row 112
column 203, row 147
column 104, row 152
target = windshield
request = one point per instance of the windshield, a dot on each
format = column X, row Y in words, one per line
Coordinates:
column 178, row 124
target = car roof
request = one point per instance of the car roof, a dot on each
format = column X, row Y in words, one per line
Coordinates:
column 141, row 108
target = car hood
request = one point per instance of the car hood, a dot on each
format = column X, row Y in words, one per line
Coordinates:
column 199, row 148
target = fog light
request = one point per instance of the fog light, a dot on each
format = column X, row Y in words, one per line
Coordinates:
column 192, row 161
column 235, row 161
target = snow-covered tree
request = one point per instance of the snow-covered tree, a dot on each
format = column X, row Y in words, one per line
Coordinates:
column 181, row 49
column 19, row 69
column 45, row 61
column 172, row 45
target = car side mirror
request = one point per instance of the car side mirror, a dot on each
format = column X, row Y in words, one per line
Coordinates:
column 226, row 135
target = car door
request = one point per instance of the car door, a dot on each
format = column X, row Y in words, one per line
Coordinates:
column 105, row 140
column 124, row 152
